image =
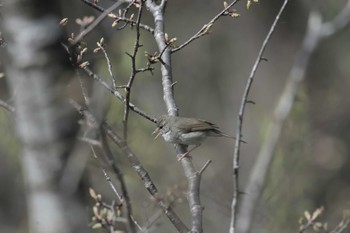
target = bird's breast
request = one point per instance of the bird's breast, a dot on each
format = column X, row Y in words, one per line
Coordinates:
column 169, row 137
column 192, row 138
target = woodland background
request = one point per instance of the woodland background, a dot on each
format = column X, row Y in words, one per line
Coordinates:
column 311, row 167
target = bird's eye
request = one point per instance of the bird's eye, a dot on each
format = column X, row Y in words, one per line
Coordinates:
column 161, row 127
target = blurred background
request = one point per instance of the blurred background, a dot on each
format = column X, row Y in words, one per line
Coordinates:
column 311, row 164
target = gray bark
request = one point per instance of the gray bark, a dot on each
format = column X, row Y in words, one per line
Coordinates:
column 38, row 71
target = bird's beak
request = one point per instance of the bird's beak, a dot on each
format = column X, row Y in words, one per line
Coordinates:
column 156, row 131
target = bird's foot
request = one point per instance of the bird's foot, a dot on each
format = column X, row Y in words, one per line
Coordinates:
column 187, row 154
column 181, row 156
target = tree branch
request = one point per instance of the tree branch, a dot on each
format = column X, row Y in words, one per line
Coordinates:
column 204, row 30
column 244, row 102
column 122, row 19
column 117, row 94
column 96, row 22
column 140, row 170
column 7, row 106
column 117, row 171
column 192, row 175
column 133, row 72
column 316, row 31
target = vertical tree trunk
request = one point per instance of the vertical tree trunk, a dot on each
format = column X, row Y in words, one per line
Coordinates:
column 38, row 71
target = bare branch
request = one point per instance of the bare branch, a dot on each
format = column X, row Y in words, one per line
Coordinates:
column 103, row 144
column 316, row 31
column 244, row 102
column 117, row 94
column 205, row 166
column 133, row 73
column 167, row 79
column 122, row 19
column 123, row 15
column 108, row 178
column 125, row 195
column 152, row 220
column 339, row 22
column 109, row 64
column 90, row 141
column 7, row 106
column 148, row 183
column 204, row 30
column 192, row 175
column 341, row 226
column 140, row 170
column 96, row 22
column 83, row 89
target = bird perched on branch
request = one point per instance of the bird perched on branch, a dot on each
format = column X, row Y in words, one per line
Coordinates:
column 186, row 131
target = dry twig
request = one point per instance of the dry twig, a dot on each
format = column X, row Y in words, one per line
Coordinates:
column 316, row 31
column 244, row 102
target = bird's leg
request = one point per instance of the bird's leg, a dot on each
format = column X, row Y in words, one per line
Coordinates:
column 181, row 156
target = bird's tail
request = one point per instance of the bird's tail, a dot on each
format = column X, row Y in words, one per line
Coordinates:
column 218, row 133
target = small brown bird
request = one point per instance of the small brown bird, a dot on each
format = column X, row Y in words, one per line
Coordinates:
column 186, row 131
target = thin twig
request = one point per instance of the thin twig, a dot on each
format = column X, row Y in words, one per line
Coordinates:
column 140, row 170
column 125, row 11
column 131, row 220
column 103, row 144
column 316, row 31
column 96, row 22
column 107, row 177
column 117, row 94
column 240, row 121
column 7, row 106
column 147, row 181
column 152, row 220
column 125, row 195
column 83, row 89
column 161, row 53
column 109, row 64
column 205, row 166
column 91, row 142
column 133, row 73
column 204, row 30
column 122, row 19
column 339, row 22
column 341, row 226
column 148, row 68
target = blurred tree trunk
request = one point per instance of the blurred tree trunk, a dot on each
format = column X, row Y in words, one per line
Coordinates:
column 38, row 70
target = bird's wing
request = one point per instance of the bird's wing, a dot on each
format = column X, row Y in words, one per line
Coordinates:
column 193, row 125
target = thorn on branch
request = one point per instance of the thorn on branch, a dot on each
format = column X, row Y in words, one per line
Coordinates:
column 173, row 84
column 205, row 166
column 250, row 102
column 241, row 192
column 128, row 54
